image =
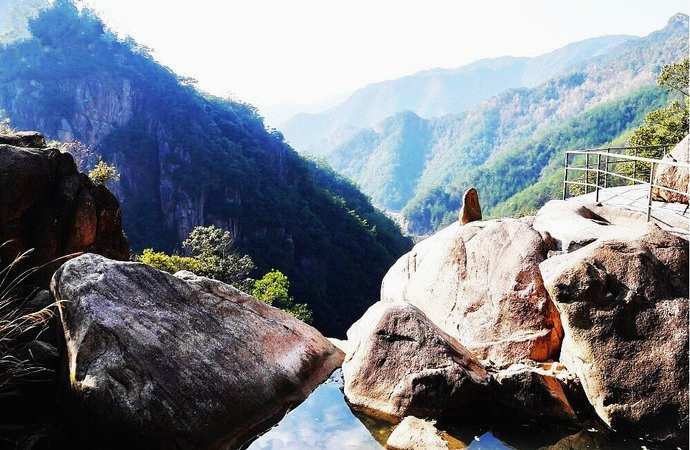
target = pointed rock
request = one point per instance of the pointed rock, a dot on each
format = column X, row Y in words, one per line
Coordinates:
column 471, row 210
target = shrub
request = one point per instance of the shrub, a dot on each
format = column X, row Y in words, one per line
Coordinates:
column 272, row 288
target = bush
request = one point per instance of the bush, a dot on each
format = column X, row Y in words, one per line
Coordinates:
column 103, row 173
column 168, row 263
column 272, row 288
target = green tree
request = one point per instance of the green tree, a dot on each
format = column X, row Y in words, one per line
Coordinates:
column 104, row 173
column 667, row 125
column 213, row 248
column 273, row 288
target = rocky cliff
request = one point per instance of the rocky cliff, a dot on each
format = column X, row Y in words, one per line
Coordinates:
column 47, row 205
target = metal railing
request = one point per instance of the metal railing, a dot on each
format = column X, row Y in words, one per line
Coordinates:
column 596, row 162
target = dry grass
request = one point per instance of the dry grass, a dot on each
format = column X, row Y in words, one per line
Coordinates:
column 17, row 319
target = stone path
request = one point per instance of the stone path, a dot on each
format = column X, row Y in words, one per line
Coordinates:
column 674, row 217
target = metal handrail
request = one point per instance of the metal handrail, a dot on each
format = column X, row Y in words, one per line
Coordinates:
column 606, row 154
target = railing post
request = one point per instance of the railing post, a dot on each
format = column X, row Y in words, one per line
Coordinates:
column 651, row 188
column 596, row 179
column 565, row 177
column 606, row 169
column 634, row 167
column 587, row 174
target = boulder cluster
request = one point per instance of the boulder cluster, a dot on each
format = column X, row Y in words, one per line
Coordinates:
column 580, row 312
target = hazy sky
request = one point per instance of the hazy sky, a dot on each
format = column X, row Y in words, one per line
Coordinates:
column 274, row 51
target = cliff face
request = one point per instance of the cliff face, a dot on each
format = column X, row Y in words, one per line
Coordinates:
column 187, row 159
column 47, row 205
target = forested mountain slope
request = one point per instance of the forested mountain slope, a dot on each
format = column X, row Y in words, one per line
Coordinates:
column 187, row 159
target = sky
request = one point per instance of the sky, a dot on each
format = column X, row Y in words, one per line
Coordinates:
column 268, row 52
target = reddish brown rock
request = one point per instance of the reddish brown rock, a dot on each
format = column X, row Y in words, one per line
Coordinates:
column 400, row 363
column 47, row 205
column 481, row 284
column 471, row 209
column 624, row 307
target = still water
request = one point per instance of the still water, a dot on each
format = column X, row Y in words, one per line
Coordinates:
column 325, row 421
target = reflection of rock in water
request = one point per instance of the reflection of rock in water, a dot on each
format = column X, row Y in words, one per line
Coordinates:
column 378, row 424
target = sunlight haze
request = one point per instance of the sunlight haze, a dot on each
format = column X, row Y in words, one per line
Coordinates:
column 269, row 52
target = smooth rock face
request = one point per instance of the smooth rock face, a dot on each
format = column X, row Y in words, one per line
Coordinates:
column 481, row 284
column 416, row 434
column 624, row 307
column 181, row 361
column 573, row 225
column 401, row 364
column 47, row 205
column 535, row 392
column 471, row 209
column 674, row 177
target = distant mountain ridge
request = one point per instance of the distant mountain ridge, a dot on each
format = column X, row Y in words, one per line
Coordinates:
column 437, row 92
column 421, row 166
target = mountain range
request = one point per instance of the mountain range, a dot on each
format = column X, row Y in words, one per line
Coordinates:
column 437, row 92
column 420, row 166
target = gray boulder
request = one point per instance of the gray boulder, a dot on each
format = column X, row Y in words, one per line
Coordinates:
column 624, row 308
column 181, row 361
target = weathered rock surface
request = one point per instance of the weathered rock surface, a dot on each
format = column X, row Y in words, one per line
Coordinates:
column 542, row 393
column 624, row 307
column 471, row 209
column 572, row 224
column 481, row 284
column 416, row 434
column 181, row 361
column 401, row 364
column 674, row 177
column 47, row 205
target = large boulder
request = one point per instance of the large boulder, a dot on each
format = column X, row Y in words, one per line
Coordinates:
column 180, row 361
column 481, row 284
column 674, row 177
column 401, row 364
column 624, row 307
column 48, row 205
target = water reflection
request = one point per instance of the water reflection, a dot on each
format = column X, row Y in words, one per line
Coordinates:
column 326, row 421
column 322, row 421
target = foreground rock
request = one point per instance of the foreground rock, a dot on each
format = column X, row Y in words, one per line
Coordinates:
column 674, row 177
column 416, row 434
column 48, row 205
column 401, row 364
column 181, row 361
column 624, row 306
column 481, row 284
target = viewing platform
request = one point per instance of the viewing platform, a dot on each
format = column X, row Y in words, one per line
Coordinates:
column 618, row 177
